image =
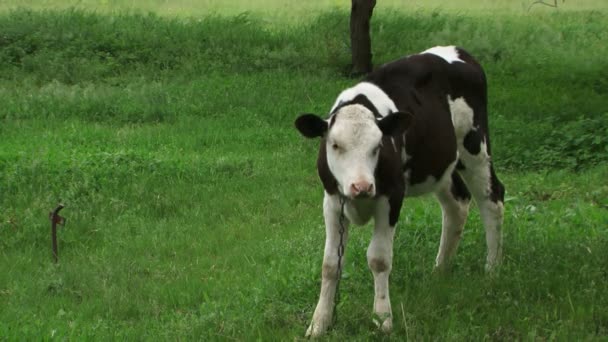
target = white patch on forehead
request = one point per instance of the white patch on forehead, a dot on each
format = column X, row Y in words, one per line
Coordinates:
column 355, row 112
column 449, row 53
column 355, row 126
column 462, row 117
column 374, row 94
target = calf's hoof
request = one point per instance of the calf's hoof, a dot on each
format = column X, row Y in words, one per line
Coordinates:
column 492, row 269
column 384, row 322
column 316, row 329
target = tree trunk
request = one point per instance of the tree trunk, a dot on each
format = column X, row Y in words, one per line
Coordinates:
column 361, row 44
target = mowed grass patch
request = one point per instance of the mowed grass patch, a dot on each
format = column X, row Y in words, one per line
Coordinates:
column 193, row 205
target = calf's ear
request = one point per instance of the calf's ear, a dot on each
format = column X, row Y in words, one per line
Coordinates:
column 311, row 126
column 395, row 123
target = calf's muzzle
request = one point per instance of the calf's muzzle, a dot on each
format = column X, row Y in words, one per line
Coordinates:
column 362, row 189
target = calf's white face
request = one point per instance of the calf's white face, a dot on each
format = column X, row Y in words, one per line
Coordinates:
column 353, row 145
column 353, row 139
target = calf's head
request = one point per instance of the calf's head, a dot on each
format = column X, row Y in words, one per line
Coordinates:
column 353, row 140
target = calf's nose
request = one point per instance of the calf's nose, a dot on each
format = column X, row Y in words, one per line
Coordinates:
column 361, row 189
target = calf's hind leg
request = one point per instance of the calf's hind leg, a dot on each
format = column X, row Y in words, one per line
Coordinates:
column 454, row 199
column 488, row 192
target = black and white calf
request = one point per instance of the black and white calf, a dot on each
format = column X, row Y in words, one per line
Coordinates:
column 414, row 126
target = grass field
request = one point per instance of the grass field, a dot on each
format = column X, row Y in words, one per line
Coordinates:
column 292, row 9
column 193, row 206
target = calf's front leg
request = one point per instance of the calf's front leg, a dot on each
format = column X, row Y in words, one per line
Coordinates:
column 322, row 317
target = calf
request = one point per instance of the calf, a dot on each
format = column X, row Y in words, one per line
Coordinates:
column 414, row 126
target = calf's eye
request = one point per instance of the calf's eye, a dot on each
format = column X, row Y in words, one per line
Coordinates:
column 335, row 146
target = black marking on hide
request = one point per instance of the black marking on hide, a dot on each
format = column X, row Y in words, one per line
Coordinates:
column 459, row 188
column 360, row 100
column 424, row 79
column 472, row 142
column 460, row 166
column 332, row 120
column 330, row 184
column 395, row 203
column 416, row 97
column 395, row 124
column 497, row 189
column 389, row 178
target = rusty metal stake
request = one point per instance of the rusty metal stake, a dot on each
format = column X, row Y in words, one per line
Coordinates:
column 55, row 219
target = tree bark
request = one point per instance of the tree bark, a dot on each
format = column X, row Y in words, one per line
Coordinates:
column 361, row 44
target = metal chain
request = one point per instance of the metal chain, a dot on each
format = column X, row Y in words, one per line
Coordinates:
column 340, row 255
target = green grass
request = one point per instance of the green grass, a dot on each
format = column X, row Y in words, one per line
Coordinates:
column 194, row 209
column 282, row 10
